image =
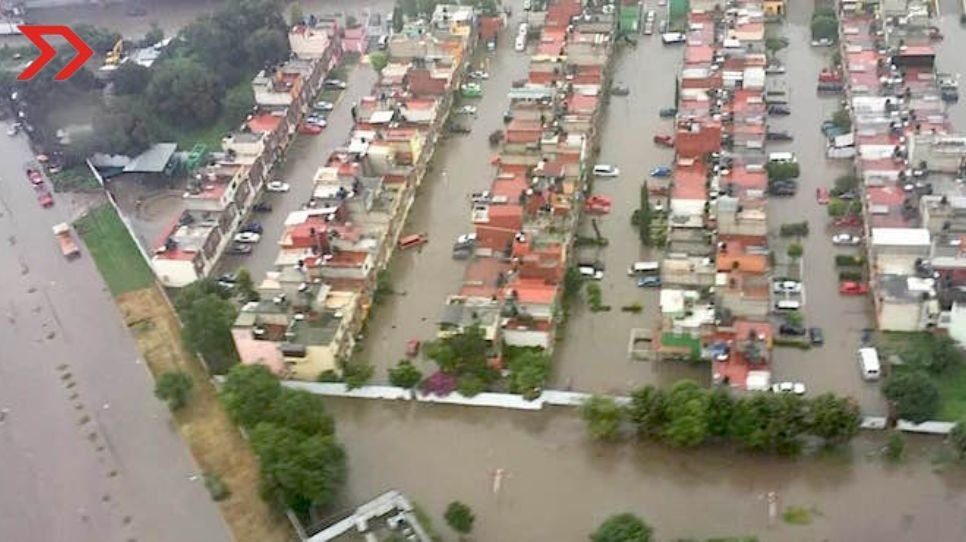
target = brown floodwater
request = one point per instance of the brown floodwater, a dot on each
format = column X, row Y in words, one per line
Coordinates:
column 558, row 485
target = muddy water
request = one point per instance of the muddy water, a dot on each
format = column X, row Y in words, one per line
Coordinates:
column 593, row 353
column 422, row 279
column 833, row 367
column 557, row 485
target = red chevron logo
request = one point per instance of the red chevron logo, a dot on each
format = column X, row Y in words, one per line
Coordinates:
column 36, row 33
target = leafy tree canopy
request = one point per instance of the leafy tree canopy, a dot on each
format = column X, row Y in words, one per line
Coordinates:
column 624, row 527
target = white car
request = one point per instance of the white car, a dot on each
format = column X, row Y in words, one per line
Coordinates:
column 324, row 106
column 606, row 170
column 247, row 237
column 318, row 121
column 479, row 75
column 846, row 239
column 466, row 239
column 277, row 186
column 467, row 110
column 589, row 272
column 788, row 387
column 790, row 286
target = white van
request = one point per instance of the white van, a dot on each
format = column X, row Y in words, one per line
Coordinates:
column 869, row 364
column 523, row 29
column 589, row 272
column 521, row 44
column 640, row 268
column 788, row 305
column 783, row 157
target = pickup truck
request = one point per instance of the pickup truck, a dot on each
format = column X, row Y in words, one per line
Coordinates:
column 67, row 244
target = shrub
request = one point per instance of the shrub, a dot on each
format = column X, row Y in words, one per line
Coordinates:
column 895, row 447
column 216, row 487
column 848, row 260
column 357, row 374
column 174, row 387
column 439, row 383
column 794, row 229
column 850, row 275
column 405, row 375
column 470, row 385
column 914, row 394
column 603, row 417
column 329, row 375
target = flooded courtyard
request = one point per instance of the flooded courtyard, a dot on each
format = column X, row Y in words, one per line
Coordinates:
column 558, row 485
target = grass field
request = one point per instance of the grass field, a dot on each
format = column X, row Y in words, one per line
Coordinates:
column 951, row 384
column 114, row 251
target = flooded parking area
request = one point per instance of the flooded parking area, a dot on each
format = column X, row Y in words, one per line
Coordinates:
column 558, row 485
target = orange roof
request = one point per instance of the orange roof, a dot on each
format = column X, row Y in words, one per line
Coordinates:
column 533, row 291
column 690, row 182
column 264, row 123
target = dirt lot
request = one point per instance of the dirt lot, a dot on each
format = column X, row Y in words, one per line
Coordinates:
column 214, row 441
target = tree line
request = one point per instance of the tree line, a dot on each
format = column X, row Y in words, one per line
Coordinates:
column 688, row 415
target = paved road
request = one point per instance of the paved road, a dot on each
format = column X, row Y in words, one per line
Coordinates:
column 86, row 452
column 304, row 158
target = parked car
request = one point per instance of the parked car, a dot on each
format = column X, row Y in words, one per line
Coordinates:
column 466, row 239
column 239, row 249
column 44, row 198
column 787, row 286
column 779, row 110
column 664, row 140
column 661, row 171
column 668, row 112
column 317, row 121
column 620, row 90
column 277, row 186
column 35, row 177
column 774, row 69
column 821, row 195
column 262, row 207
column 466, row 110
column 606, row 170
column 815, row 336
column 791, row 329
column 335, row 84
column 796, row 388
column 824, row 42
column 227, row 280
column 853, row 288
column 254, row 227
column 649, row 282
column 307, row 128
column 778, row 136
column 480, row 197
column 247, row 237
column 324, row 106
column 478, row 74
column 846, row 239
column 590, row 272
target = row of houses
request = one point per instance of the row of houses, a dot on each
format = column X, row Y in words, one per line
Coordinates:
column 313, row 305
column 716, row 277
column 911, row 163
column 524, row 225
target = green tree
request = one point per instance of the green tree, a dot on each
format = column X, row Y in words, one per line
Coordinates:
column 267, row 46
column 248, row 393
column 624, row 527
column 405, row 375
column 125, row 128
column 238, row 102
column 837, row 208
column 300, row 411
column 842, row 120
column 529, row 370
column 154, row 35
column 721, row 406
column 846, row 183
column 603, row 417
column 470, row 384
column 957, row 439
column 244, row 285
column 131, row 78
column 300, row 472
column 687, row 415
column 769, row 423
column 183, row 92
column 795, row 251
column 463, row 353
column 835, row 419
column 207, row 331
column 774, row 44
column 357, row 374
column 174, row 387
column 100, row 39
column 459, row 517
column 648, row 411
column 378, row 60
column 397, row 19
column 825, row 28
column 938, row 355
column 780, row 171
column 914, row 394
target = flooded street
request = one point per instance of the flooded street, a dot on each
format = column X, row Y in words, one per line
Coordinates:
column 593, row 353
column 461, row 165
column 949, row 54
column 831, row 367
column 558, row 485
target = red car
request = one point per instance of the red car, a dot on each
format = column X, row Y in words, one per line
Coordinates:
column 853, row 288
column 43, row 197
column 821, row 194
column 35, row 177
column 664, row 140
column 310, row 129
